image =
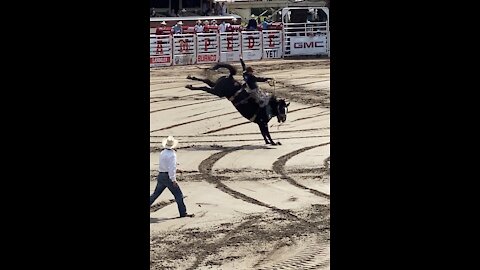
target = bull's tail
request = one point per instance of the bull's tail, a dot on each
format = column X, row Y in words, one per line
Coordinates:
column 231, row 68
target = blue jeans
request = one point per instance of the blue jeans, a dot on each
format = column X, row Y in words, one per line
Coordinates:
column 163, row 181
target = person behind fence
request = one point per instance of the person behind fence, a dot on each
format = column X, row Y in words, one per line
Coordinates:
column 252, row 23
column 199, row 27
column 177, row 29
column 222, row 27
column 233, row 26
column 212, row 27
column 251, row 85
column 265, row 24
column 167, row 176
column 162, row 29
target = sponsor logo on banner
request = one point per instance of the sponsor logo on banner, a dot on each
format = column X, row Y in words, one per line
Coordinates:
column 252, row 55
column 230, row 56
column 186, row 59
column 311, row 44
column 271, row 53
column 308, row 45
column 206, row 58
column 160, row 60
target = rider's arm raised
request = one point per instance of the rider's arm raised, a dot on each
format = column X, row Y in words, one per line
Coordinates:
column 243, row 64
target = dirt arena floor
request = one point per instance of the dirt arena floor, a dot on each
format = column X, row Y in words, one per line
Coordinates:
column 257, row 206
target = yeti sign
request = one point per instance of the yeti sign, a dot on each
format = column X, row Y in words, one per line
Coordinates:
column 308, row 45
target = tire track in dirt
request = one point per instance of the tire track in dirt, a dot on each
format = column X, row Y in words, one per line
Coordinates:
column 299, row 93
column 227, row 127
column 187, row 97
column 205, row 168
column 160, row 82
column 219, row 244
column 248, row 140
column 189, row 122
column 310, row 256
column 167, row 89
column 185, row 105
column 308, row 117
column 263, row 67
column 242, row 134
column 279, row 167
column 197, row 114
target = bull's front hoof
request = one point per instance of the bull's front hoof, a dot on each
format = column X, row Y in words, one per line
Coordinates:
column 189, row 86
column 279, row 143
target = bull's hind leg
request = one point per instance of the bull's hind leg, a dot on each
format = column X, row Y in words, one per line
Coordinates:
column 207, row 81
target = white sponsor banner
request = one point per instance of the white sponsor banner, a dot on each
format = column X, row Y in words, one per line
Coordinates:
column 186, row 59
column 184, row 49
column 160, row 50
column 207, row 48
column 251, row 45
column 311, row 45
column 230, row 47
column 272, row 44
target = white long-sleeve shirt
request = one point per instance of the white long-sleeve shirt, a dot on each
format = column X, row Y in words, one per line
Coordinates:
column 168, row 163
column 223, row 27
column 198, row 28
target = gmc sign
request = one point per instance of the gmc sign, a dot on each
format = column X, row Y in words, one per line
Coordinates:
column 301, row 45
column 308, row 45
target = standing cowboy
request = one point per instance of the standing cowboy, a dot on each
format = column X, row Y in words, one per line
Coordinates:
column 167, row 176
column 251, row 82
column 162, row 29
column 177, row 29
column 252, row 23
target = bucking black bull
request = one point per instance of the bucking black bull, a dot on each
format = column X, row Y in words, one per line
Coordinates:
column 227, row 86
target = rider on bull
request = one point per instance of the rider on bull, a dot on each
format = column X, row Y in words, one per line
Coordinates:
column 251, row 85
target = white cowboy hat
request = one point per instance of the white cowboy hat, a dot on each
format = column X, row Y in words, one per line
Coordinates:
column 184, row 10
column 234, row 19
column 169, row 142
column 163, row 23
column 214, row 21
column 180, row 22
column 253, row 16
